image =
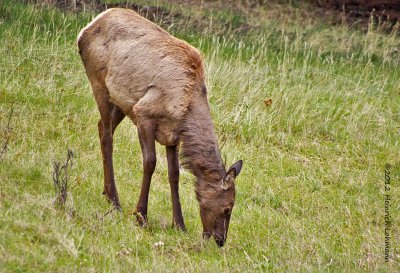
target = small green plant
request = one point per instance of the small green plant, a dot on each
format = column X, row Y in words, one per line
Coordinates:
column 60, row 179
column 7, row 133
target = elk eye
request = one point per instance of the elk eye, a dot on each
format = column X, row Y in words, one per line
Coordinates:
column 227, row 212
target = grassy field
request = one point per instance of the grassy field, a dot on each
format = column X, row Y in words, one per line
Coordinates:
column 311, row 108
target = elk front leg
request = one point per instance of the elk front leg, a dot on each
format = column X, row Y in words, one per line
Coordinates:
column 146, row 132
column 173, row 175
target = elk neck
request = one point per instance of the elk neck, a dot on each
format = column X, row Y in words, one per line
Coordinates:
column 200, row 152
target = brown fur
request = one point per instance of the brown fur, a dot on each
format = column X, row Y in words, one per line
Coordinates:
column 137, row 69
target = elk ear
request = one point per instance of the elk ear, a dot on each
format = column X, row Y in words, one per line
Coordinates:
column 231, row 174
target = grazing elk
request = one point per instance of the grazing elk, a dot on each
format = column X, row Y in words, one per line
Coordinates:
column 137, row 69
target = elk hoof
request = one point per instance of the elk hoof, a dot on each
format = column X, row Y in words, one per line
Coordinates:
column 142, row 219
column 179, row 226
column 113, row 198
column 117, row 206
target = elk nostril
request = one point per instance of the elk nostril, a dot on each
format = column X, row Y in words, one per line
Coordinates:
column 220, row 242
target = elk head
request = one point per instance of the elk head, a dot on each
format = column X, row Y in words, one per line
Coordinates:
column 216, row 205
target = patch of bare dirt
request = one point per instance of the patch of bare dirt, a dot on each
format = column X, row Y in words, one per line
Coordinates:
column 363, row 10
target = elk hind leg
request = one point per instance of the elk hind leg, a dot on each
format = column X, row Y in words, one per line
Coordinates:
column 111, row 116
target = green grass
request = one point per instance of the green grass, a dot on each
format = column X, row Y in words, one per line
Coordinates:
column 309, row 198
